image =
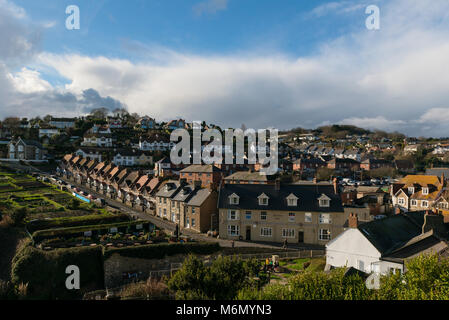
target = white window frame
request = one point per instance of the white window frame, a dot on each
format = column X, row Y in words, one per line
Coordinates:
column 263, row 201
column 266, row 232
column 324, row 203
column 288, row 233
column 324, row 236
column 233, row 215
column 233, row 230
column 401, row 201
column 414, row 203
column 291, row 217
column 233, row 200
column 325, row 218
column 425, row 203
column 425, row 191
column 263, row 214
column 308, row 217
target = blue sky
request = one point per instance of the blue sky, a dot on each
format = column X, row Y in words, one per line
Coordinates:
column 283, row 64
column 236, row 25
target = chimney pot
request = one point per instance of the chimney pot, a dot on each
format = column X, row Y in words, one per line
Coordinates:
column 353, row 220
column 277, row 184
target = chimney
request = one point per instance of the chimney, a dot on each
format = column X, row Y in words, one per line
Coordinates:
column 335, row 183
column 434, row 222
column 277, row 184
column 197, row 184
column 353, row 220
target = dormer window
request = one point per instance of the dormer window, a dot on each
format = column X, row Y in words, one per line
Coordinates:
column 292, row 200
column 411, row 190
column 425, row 191
column 263, row 199
column 324, row 201
column 234, row 199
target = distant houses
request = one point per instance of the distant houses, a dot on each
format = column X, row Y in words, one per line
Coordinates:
column 62, row 123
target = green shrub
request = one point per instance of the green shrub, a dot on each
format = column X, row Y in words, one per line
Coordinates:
column 44, row 271
column 222, row 280
column 19, row 215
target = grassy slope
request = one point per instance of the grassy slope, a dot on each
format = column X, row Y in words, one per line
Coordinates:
column 9, row 240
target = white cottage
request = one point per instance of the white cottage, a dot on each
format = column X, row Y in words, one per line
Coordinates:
column 385, row 245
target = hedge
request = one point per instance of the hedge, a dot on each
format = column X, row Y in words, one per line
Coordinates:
column 159, row 251
column 69, row 232
column 44, row 271
column 77, row 221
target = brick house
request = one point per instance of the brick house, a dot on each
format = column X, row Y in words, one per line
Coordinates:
column 371, row 164
column 208, row 174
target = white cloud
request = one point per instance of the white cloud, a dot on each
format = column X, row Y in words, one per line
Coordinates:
column 29, row 81
column 12, row 9
column 391, row 79
column 210, row 7
column 336, row 8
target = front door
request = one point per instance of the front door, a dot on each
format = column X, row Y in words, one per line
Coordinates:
column 301, row 236
column 248, row 233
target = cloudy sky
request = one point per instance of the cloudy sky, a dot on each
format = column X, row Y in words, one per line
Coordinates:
column 282, row 64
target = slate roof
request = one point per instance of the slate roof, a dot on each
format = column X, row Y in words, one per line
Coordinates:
column 249, row 176
column 438, row 172
column 307, row 195
column 393, row 232
column 173, row 186
column 424, row 243
column 192, row 196
column 199, row 168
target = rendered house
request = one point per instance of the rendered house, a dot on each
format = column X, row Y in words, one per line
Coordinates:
column 131, row 157
column 48, row 132
column 301, row 213
column 63, row 123
column 155, row 143
column 417, row 192
column 97, row 140
column 89, row 152
column 385, row 245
